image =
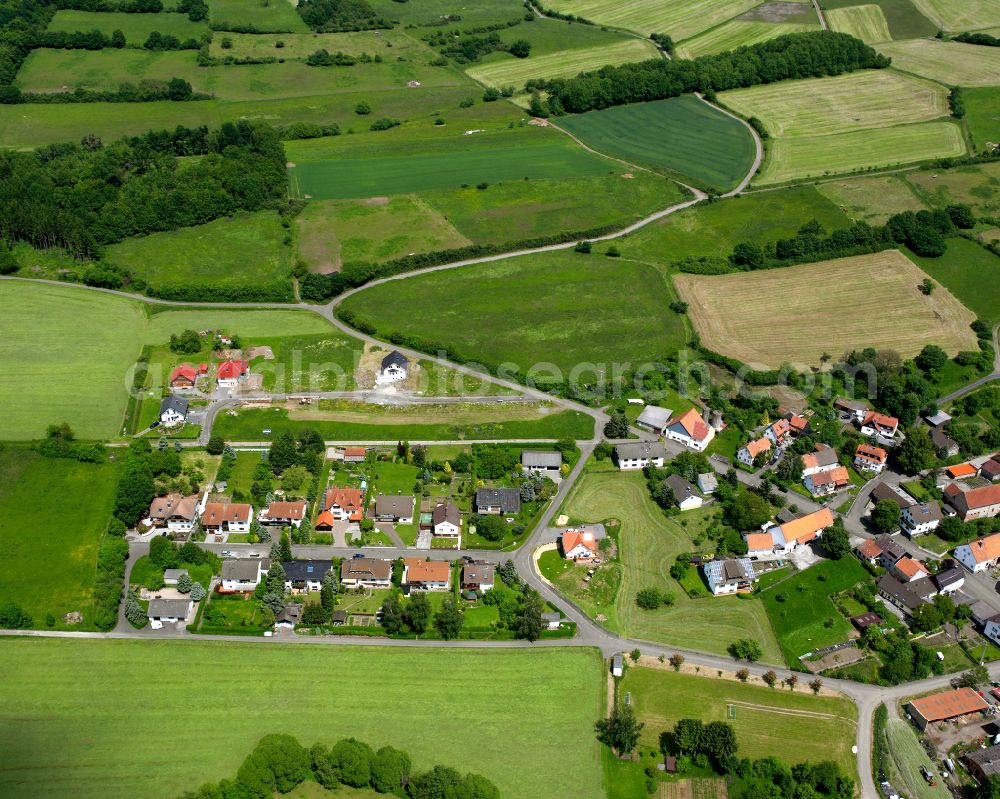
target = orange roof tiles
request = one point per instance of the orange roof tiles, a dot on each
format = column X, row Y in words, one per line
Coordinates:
column 909, row 567
column 962, row 470
column 692, row 423
column 949, row 704
column 984, row 549
column 806, row 527
column 286, row 510
column 838, row 475
column 760, row 541
column 325, row 519
column 869, row 453
column 755, row 448
column 572, row 538
column 869, row 549
column 426, row 571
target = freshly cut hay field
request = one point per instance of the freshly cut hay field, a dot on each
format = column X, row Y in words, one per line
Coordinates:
column 871, row 98
column 428, row 13
column 680, row 19
column 136, row 27
column 301, row 45
column 563, row 64
column 800, row 157
column 866, row 22
column 872, row 199
column 952, row 63
column 905, row 22
column 683, row 135
column 738, row 33
column 119, row 739
column 966, row 15
column 834, row 306
column 265, row 17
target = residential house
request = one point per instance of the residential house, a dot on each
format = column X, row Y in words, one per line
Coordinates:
column 639, row 455
column 782, row 539
column 870, row 459
column 920, row 518
column 367, row 572
column 883, row 490
column 426, row 575
column 477, row 577
column 654, row 419
column 551, row 620
column 167, row 611
column 244, row 575
column 230, row 373
column 799, row 424
column 227, row 517
column 355, row 454
column 578, row 545
column 693, row 430
column 865, row 620
column 979, row 555
column 748, row 452
column 173, row 410
column 288, row 616
column 285, row 514
column 394, row 368
column 730, row 576
column 892, row 550
column 945, row 706
column 821, row 484
column 990, row 470
column 171, row 576
column 779, row 432
column 394, row 508
column 707, row 482
column 446, row 520
column 869, row 551
column 344, row 504
column 983, row 763
column 498, row 501
column 183, row 376
column 906, row 570
column 540, row 460
column 820, row 459
column 854, row 408
column 976, row 503
column 907, row 597
column 880, row 427
column 946, row 446
column 684, row 493
column 302, row 576
column 175, row 512
column 950, row 578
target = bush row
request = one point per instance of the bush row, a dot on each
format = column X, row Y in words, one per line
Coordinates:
column 274, row 291
column 111, row 559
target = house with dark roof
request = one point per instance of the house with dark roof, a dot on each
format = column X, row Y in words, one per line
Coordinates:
column 395, row 508
column 865, row 620
column 367, row 572
column 950, row 578
column 498, row 501
column 478, row 577
column 883, row 490
column 173, row 410
column 243, row 575
column 984, row 763
column 892, row 550
column 823, row 457
column 920, row 518
column 730, row 576
column 908, row 597
column 684, row 494
column 168, row 611
column 288, row 616
column 175, row 512
column 946, row 446
column 302, row 576
column 446, row 520
column 394, row 368
column 990, row 470
column 639, row 454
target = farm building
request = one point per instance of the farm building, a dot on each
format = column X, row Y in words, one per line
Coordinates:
column 960, row 470
column 945, row 706
column 782, row 539
column 654, row 419
column 990, row 470
column 984, row 763
column 639, row 455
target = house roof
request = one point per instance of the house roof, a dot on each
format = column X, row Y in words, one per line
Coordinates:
column 541, row 459
column 355, row 452
column 780, row 427
column 837, row 475
column 973, row 498
column 708, row 482
column 909, row 567
column 393, row 505
column 184, row 370
column 394, row 358
column 325, row 519
column 869, row 548
column 289, row 614
column 427, row 571
column 160, row 608
column 984, row 549
column 941, row 440
column 949, row 704
column 287, row 510
column 174, row 574
column 877, row 420
column 365, row 568
column 799, row 423
column 573, row 538
column 508, row 499
column 884, row 490
column 216, row 513
column 961, row 470
column 343, row 498
column 806, row 527
column 867, row 452
column 924, row 512
column 865, row 620
column 890, row 547
column 755, row 448
column 446, row 512
column 692, row 424
column 477, row 574
column 175, row 403
column 230, row 370
column 244, row 570
column 730, row 569
column 758, row 542
column 680, row 487
column 299, row 570
column 822, row 456
column 655, row 416
column 174, row 506
column 949, row 577
column 990, row 469
column 988, row 760
column 639, row 449
column 938, row 419
column 905, row 594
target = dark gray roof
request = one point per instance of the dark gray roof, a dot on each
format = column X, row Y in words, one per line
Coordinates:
column 785, row 516
column 541, row 459
column 987, row 759
column 941, row 440
column 639, row 449
column 300, row 570
column 289, row 614
column 477, row 574
column 948, row 577
column 339, row 617
column 891, row 548
column 176, row 403
column 168, row 608
column 394, row 358
column 508, row 499
column 905, row 594
column 446, row 512
column 925, row 512
column 243, row 570
column 551, row 616
column 400, row 506
column 680, row 487
column 884, row 490
column 173, row 574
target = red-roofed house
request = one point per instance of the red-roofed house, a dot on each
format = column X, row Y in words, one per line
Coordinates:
column 980, row 554
column 426, row 575
column 778, row 431
column 880, row 426
column 578, row 545
column 827, row 482
column 869, row 551
column 907, row 570
column 354, row 454
column 748, row 453
column 976, row 503
column 691, row 430
column 229, row 373
column 183, row 376
column 344, row 504
column 870, row 459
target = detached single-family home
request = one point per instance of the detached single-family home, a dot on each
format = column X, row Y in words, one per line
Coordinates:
column 167, row 611
column 879, row 426
column 355, row 454
column 654, row 419
column 920, row 519
column 540, row 460
column 183, row 376
column 173, row 410
column 979, row 555
column 229, row 373
column 949, row 579
column 782, row 539
column 991, row 628
column 227, row 517
column 578, row 545
column 691, row 430
column 280, row 514
column 175, row 512
column 498, row 501
column 854, row 408
column 244, row 575
column 394, row 508
column 946, row 446
column 798, row 423
column 907, row 597
column 892, row 550
column 906, row 570
column 344, row 504
column 446, row 520
column 288, row 616
column 477, row 577
column 778, row 432
column 426, row 575
column 976, row 503
column 869, row 551
column 821, row 458
column 684, row 494
column 639, row 455
column 748, row 452
column 870, row 459
column 394, row 368
column 707, row 482
column 302, row 576
column 820, row 484
column 730, row 576
column 367, row 572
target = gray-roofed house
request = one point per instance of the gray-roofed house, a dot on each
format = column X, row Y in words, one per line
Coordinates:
column 639, row 455
column 990, row 470
column 243, row 575
column 446, row 520
column 551, row 620
column 393, row 508
column 540, row 460
column 905, row 596
column 920, row 518
column 305, row 575
column 938, row 419
column 173, row 410
column 943, row 443
column 655, row 419
column 288, row 616
column 707, row 482
column 171, row 576
column 394, row 368
column 478, row 577
column 949, row 579
column 684, row 493
column 730, row 576
column 168, row 610
column 892, row 550
column 884, row 490
column 498, row 501
column 339, row 618
column 984, row 763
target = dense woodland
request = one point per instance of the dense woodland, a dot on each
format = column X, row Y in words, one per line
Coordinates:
column 340, row 15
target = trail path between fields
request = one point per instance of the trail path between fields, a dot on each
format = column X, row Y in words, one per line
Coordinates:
column 819, row 13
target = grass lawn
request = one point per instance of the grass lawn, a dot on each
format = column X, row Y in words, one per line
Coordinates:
column 807, row 325
column 976, row 185
column 823, row 727
column 983, row 114
column 50, row 556
column 248, row 248
column 242, row 477
column 302, row 45
column 801, row 611
column 264, row 17
column 136, row 27
column 908, row 757
column 968, row 15
column 659, row 135
column 547, row 309
column 955, row 658
column 650, row 543
column 681, row 18
column 961, row 271
column 426, row 703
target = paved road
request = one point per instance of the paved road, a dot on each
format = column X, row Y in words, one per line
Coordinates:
column 982, row 381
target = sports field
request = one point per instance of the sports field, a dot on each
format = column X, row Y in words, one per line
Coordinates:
column 839, row 304
column 136, row 27
column 738, row 33
column 682, row 135
column 966, row 15
column 823, row 727
column 264, row 15
column 248, row 248
column 556, row 309
column 48, row 565
column 866, row 22
column 562, row 64
column 680, row 19
column 650, row 543
column 983, row 115
column 952, row 63
column 118, row 737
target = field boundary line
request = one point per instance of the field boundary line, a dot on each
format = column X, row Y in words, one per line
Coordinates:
column 758, row 145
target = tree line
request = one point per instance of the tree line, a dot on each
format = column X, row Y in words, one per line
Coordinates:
column 328, row 16
column 797, row 55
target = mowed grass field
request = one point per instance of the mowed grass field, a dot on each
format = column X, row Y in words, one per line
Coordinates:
column 561, row 64
column 823, row 727
column 966, row 15
column 983, row 115
column 55, row 512
column 680, row 19
column 119, row 738
column 682, row 134
column 650, row 543
column 136, row 27
column 561, row 309
column 951, row 63
column 866, row 22
column 264, row 15
column 738, row 33
column 840, row 304
column 872, row 199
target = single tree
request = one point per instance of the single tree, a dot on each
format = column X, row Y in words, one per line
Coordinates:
column 529, row 621
column 417, row 613
column 620, row 730
column 449, row 619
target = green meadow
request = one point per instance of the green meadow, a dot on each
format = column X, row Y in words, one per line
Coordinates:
column 136, row 27
column 265, row 16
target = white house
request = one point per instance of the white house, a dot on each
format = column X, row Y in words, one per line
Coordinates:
column 684, row 493
column 655, row 419
column 730, row 576
column 173, row 410
column 167, row 611
column 244, row 575
column 367, row 572
column 578, row 545
column 870, row 459
column 229, row 373
column 821, row 458
column 175, row 512
column 426, row 575
column 829, row 481
column 394, row 368
column 446, row 520
column 393, row 508
column 979, row 555
column 541, row 460
column 639, row 455
column 880, row 427
column 748, row 453
column 782, row 539
column 227, row 517
column 282, row 514
column 920, row 519
column 691, row 430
